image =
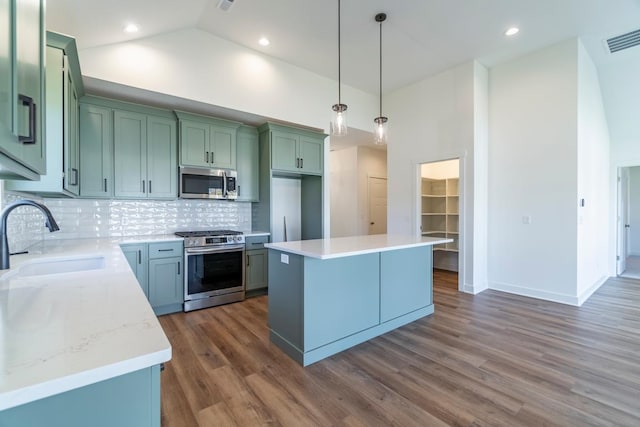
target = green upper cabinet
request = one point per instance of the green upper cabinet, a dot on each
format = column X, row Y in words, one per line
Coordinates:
column 96, row 151
column 284, row 151
column 223, row 146
column 311, row 152
column 62, row 150
column 295, row 150
column 22, row 142
column 143, row 163
column 247, row 150
column 207, row 142
column 145, row 156
column 194, row 143
column 130, row 155
column 162, row 158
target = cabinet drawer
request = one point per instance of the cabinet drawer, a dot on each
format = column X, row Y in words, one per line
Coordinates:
column 165, row 249
column 255, row 242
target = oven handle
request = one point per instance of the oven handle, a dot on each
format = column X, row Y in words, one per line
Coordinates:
column 211, row 250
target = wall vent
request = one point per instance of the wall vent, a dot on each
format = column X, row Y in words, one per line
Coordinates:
column 623, row 41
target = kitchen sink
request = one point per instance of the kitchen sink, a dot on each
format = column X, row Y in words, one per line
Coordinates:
column 58, row 265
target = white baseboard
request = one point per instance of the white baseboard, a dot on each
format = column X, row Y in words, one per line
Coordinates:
column 589, row 291
column 535, row 293
column 474, row 288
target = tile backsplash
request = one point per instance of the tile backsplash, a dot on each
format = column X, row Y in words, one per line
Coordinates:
column 84, row 218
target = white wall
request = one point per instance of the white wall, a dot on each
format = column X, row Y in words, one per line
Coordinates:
column 371, row 163
column 344, row 183
column 350, row 172
column 429, row 121
column 593, row 180
column 441, row 170
column 533, row 172
column 196, row 65
column 634, row 210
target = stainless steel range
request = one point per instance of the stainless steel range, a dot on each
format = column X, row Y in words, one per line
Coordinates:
column 214, row 268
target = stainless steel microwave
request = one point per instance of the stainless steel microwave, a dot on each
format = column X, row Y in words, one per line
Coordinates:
column 204, row 183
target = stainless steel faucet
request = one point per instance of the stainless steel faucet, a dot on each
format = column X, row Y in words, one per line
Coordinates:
column 50, row 223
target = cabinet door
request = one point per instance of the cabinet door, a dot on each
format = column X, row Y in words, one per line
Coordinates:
column 311, row 153
column 247, row 164
column 136, row 256
column 165, row 281
column 96, row 151
column 284, row 151
column 194, row 143
column 256, row 269
column 223, row 147
column 8, row 141
column 162, row 162
column 130, row 155
column 29, row 77
column 71, row 139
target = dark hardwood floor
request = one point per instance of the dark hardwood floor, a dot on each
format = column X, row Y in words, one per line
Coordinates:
column 492, row 359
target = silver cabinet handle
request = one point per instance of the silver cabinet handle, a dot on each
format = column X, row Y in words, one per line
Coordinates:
column 27, row 101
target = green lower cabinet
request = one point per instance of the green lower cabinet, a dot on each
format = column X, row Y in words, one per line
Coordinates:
column 166, row 293
column 130, row 400
column 256, row 273
column 158, row 268
column 137, row 258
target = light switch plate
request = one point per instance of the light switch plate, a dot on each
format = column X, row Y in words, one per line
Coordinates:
column 284, row 258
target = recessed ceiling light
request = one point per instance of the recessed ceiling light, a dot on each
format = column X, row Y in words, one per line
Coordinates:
column 131, row 28
column 264, row 41
column 512, row 31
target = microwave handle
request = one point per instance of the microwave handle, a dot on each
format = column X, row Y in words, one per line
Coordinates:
column 224, row 184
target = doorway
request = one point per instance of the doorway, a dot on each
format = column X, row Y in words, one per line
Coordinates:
column 628, row 223
column 440, row 217
column 377, row 205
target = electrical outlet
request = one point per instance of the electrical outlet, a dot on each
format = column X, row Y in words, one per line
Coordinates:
column 526, row 219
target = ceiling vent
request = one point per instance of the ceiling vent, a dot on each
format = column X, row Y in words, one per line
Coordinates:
column 225, row 4
column 624, row 41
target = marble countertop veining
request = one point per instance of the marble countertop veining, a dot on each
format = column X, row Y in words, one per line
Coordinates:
column 339, row 247
column 63, row 331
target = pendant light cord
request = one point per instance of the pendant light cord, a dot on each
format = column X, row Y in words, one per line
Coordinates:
column 339, row 55
column 380, row 68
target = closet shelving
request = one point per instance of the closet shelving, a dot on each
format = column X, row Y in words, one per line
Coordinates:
column 440, row 211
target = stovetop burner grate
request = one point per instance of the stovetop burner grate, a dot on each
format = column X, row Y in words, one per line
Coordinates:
column 207, row 233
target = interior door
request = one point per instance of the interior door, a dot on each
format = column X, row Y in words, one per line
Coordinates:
column 623, row 219
column 377, row 205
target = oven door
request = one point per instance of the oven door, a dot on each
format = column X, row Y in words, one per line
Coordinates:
column 213, row 271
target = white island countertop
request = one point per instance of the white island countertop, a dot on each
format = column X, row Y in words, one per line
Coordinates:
column 62, row 331
column 339, row 247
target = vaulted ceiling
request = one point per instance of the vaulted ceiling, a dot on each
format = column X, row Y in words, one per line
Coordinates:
column 421, row 37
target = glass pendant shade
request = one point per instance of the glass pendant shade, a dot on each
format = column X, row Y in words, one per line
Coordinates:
column 380, row 130
column 339, row 120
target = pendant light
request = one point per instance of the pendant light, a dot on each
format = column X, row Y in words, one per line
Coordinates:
column 339, row 120
column 380, row 130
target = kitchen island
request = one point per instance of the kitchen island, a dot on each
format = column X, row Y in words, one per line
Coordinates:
column 79, row 342
column 327, row 295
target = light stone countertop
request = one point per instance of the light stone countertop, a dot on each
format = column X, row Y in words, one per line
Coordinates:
column 339, row 247
column 62, row 331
